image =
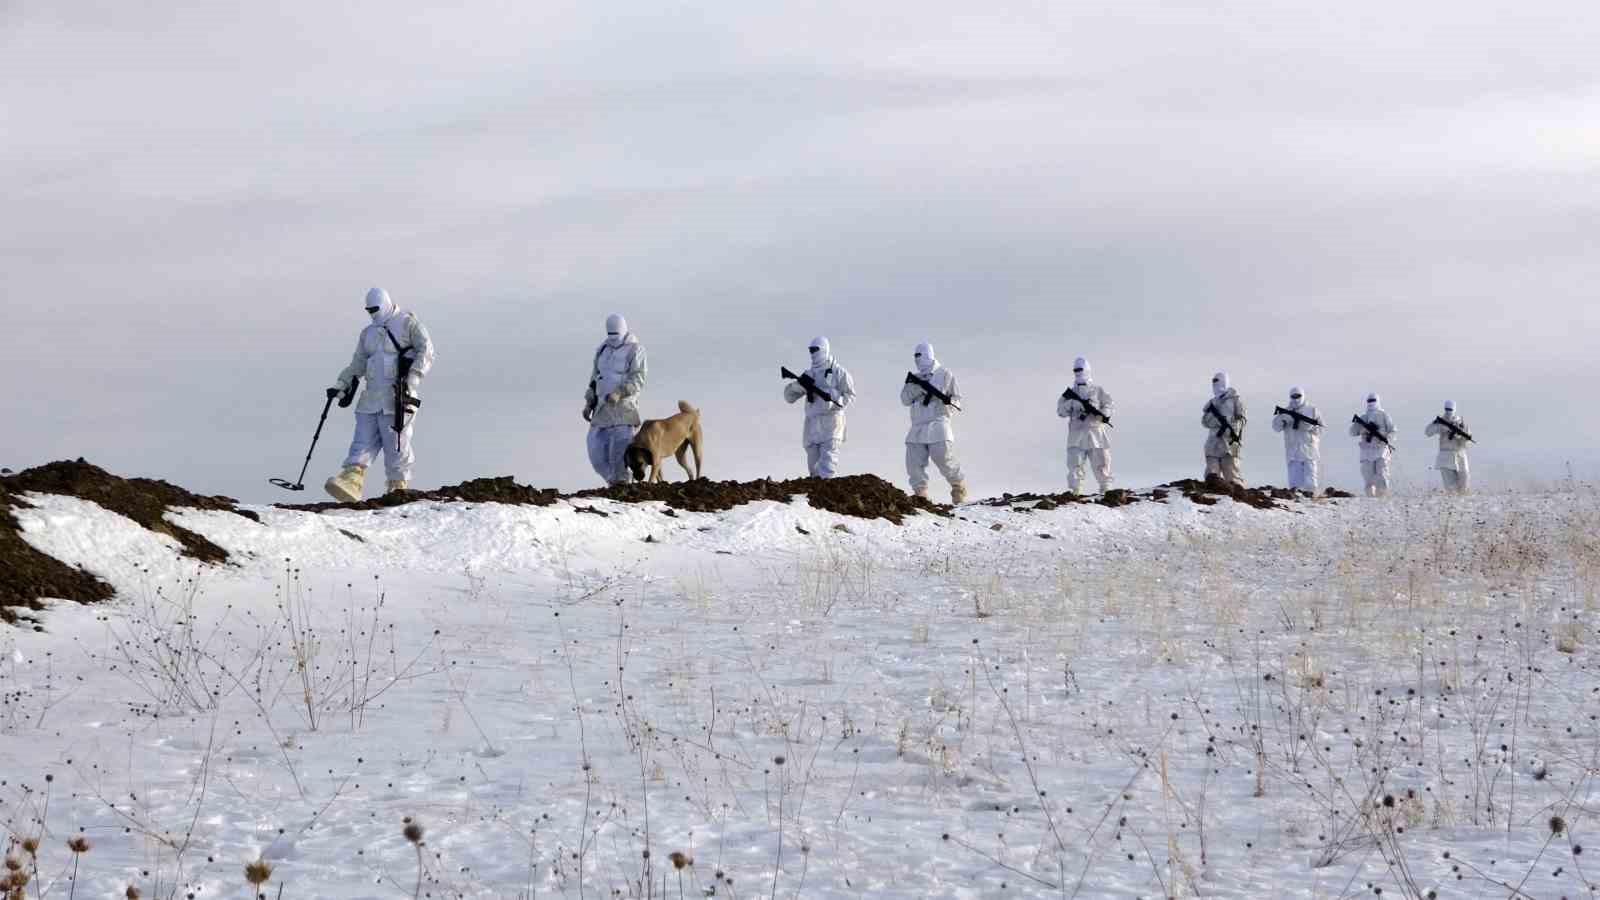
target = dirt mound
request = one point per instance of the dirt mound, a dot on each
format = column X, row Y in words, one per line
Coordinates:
column 1208, row 492
column 1204, row 493
column 144, row 500
column 1113, row 498
column 26, row 575
column 860, row 496
column 478, row 490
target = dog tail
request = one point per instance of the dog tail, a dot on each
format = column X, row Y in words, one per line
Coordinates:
column 683, row 406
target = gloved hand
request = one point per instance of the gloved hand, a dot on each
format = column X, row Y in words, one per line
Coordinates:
column 588, row 413
column 334, row 392
column 614, row 398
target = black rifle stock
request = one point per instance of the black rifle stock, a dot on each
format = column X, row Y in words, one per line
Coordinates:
column 1454, row 431
column 931, row 392
column 1227, row 430
column 1298, row 417
column 1088, row 407
column 404, row 401
column 805, row 381
column 1372, row 430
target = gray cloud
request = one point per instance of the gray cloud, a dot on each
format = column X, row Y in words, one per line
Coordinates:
column 1363, row 196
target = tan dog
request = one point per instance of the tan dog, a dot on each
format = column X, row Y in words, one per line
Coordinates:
column 658, row 439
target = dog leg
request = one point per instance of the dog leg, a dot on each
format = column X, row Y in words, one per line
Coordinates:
column 682, row 454
column 694, row 444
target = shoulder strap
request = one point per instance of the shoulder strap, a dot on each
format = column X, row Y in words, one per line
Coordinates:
column 397, row 348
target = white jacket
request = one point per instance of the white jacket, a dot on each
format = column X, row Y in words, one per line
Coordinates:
column 378, row 360
column 930, row 421
column 1301, row 442
column 1232, row 408
column 1452, row 450
column 824, row 420
column 1372, row 448
column 621, row 370
column 1086, row 431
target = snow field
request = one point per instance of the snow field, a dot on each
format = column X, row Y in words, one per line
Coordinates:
column 1159, row 700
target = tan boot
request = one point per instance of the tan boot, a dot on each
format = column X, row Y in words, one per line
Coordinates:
column 920, row 491
column 390, row 487
column 958, row 493
column 346, row 486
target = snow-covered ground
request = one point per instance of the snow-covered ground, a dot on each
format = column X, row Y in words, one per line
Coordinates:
column 1164, row 699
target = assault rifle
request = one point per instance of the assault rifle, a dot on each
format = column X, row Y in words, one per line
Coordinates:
column 1298, row 417
column 1454, row 431
column 932, row 392
column 404, row 400
column 805, row 380
column 1226, row 431
column 1372, row 430
column 1088, row 407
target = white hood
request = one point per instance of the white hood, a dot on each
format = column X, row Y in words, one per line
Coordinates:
column 378, row 297
column 1081, row 374
column 1219, row 384
column 616, row 330
column 924, row 358
column 823, row 357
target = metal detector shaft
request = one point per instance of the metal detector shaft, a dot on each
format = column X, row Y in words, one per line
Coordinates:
column 300, row 482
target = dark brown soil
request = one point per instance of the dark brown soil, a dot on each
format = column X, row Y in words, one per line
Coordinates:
column 26, row 575
column 1208, row 492
column 478, row 490
column 1205, row 493
column 144, row 500
column 860, row 496
column 1113, row 498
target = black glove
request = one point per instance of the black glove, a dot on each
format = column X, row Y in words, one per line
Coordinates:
column 334, row 392
column 348, row 394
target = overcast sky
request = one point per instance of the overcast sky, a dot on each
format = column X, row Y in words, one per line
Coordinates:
column 1364, row 195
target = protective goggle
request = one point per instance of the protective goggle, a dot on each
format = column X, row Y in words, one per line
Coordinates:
column 819, row 350
column 1296, row 396
column 373, row 309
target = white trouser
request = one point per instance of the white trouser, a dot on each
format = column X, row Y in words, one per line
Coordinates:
column 943, row 454
column 1227, row 467
column 1081, row 458
column 375, row 434
column 1375, row 474
column 1454, row 481
column 1303, row 475
column 607, row 446
column 822, row 460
